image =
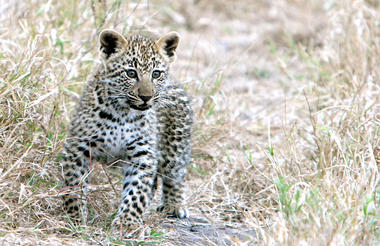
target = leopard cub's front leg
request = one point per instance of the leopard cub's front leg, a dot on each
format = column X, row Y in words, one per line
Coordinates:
column 172, row 193
column 140, row 170
column 75, row 167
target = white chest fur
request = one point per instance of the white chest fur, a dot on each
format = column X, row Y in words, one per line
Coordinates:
column 118, row 136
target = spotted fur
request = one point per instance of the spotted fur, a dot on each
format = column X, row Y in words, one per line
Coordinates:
column 131, row 113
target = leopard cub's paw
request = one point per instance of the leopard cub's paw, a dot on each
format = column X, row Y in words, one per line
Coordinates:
column 126, row 227
column 173, row 211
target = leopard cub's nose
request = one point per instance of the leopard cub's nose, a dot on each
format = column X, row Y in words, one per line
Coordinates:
column 145, row 98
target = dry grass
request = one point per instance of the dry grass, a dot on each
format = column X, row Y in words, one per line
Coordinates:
column 287, row 99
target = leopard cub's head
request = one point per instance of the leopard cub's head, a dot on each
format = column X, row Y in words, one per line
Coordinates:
column 136, row 66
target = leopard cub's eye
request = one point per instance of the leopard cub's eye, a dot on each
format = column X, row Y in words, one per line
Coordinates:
column 156, row 74
column 131, row 73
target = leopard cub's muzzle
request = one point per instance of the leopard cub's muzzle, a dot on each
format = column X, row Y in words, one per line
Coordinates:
column 145, row 90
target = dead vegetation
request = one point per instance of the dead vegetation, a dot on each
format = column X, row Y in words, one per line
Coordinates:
column 287, row 99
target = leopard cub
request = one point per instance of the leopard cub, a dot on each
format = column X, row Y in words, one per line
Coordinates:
column 132, row 113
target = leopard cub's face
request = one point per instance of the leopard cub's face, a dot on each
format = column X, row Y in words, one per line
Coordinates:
column 136, row 67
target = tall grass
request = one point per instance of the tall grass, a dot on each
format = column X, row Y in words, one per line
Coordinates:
column 332, row 196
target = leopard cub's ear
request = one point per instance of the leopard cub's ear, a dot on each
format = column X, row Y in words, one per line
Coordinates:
column 167, row 45
column 110, row 42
